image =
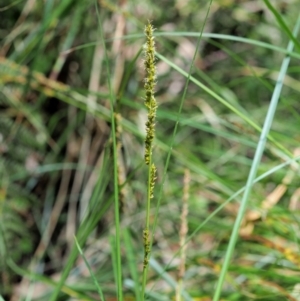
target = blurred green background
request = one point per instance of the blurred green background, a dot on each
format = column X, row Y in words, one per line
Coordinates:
column 56, row 174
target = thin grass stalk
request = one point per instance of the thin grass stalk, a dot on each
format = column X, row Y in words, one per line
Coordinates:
column 132, row 264
column 115, row 167
column 100, row 293
column 150, row 103
column 254, row 166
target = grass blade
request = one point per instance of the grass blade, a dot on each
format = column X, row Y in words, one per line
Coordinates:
column 254, row 167
column 132, row 264
column 90, row 270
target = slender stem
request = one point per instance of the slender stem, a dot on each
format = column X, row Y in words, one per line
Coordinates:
column 145, row 272
column 147, row 227
column 115, row 169
column 148, row 194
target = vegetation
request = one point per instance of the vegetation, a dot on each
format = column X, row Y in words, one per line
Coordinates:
column 168, row 175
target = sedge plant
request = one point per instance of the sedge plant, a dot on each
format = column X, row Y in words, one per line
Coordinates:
column 151, row 105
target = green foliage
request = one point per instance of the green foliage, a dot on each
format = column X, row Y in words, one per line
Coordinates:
column 72, row 147
column 20, row 153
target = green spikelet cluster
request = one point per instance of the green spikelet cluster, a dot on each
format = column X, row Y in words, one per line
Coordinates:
column 146, row 238
column 149, row 86
column 150, row 103
column 152, row 180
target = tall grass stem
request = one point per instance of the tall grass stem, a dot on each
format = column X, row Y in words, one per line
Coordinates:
column 115, row 168
column 254, row 166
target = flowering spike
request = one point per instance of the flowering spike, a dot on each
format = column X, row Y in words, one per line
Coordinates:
column 150, row 101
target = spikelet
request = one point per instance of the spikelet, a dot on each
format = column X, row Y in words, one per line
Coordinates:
column 146, row 238
column 152, row 180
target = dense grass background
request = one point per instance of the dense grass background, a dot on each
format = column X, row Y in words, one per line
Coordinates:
column 65, row 66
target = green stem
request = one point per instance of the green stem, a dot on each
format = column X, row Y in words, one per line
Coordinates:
column 147, row 227
column 148, row 194
column 115, row 169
